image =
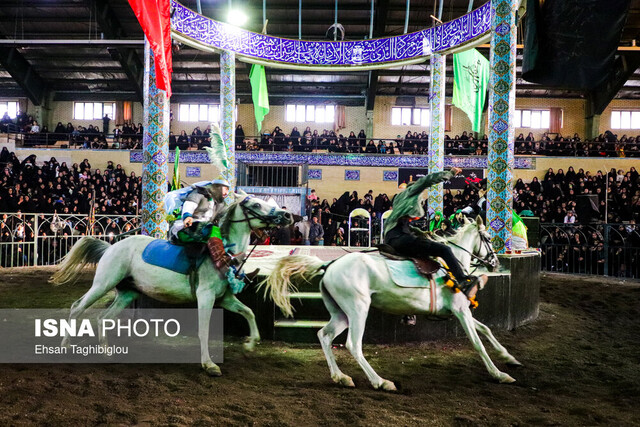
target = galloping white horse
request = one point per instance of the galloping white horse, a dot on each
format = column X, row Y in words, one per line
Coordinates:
column 354, row 282
column 124, row 260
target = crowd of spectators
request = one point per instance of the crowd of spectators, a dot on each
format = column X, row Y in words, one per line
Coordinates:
column 129, row 136
column 466, row 144
column 573, row 246
column 55, row 188
column 554, row 199
column 592, row 249
column 58, row 188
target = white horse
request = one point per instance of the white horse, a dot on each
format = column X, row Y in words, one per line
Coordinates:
column 354, row 282
column 124, row 260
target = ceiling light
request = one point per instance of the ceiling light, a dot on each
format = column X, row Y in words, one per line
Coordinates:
column 237, row 17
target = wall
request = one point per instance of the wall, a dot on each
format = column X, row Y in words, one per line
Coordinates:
column 62, row 111
column 355, row 118
column 333, row 183
column 619, row 104
column 573, row 109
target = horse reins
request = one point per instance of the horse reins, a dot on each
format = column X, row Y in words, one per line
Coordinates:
column 480, row 261
column 254, row 215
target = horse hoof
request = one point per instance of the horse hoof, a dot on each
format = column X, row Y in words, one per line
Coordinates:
column 387, row 386
column 346, row 381
column 514, row 363
column 249, row 346
column 213, row 371
column 506, row 379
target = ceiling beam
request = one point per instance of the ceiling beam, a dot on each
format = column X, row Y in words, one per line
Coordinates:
column 127, row 57
column 24, row 74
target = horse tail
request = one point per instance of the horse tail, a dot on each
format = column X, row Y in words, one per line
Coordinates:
column 87, row 250
column 281, row 281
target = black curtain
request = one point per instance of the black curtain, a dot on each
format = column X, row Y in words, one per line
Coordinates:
column 572, row 43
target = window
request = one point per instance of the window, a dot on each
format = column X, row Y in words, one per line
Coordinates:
column 407, row 116
column 93, row 110
column 624, row 119
column 309, row 113
column 10, row 107
column 199, row 113
column 534, row 119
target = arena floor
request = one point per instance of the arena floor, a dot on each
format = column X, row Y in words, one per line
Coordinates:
column 580, row 368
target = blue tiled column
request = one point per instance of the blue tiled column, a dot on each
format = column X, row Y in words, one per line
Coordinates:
column 155, row 151
column 436, row 136
column 502, row 97
column 228, row 111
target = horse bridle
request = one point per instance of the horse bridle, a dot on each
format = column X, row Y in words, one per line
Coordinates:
column 480, row 261
column 250, row 214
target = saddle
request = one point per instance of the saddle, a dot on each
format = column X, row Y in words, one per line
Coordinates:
column 181, row 259
column 426, row 267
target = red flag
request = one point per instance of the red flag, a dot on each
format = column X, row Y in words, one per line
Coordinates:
column 155, row 18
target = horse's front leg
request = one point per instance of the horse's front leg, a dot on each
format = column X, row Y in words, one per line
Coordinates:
column 206, row 297
column 462, row 312
column 233, row 304
column 504, row 353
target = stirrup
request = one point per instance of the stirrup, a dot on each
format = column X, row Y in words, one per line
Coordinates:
column 250, row 277
column 469, row 285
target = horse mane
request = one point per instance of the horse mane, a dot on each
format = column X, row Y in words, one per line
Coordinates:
column 460, row 231
column 225, row 220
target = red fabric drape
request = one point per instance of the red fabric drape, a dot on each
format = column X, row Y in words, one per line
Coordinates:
column 155, row 18
column 127, row 112
column 555, row 120
column 448, row 113
column 340, row 119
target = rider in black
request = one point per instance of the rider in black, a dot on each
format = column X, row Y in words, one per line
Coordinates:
column 397, row 234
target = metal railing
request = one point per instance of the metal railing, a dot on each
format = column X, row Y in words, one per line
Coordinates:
column 455, row 147
column 43, row 239
column 272, row 175
column 598, row 249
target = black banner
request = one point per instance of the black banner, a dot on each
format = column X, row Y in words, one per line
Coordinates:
column 572, row 43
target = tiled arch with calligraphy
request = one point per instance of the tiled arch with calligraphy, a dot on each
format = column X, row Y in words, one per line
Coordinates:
column 206, row 34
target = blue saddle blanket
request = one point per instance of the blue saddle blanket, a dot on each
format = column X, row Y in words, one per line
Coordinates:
column 163, row 254
column 405, row 274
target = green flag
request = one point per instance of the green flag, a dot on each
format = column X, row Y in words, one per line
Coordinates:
column 176, row 171
column 259, row 93
column 470, row 82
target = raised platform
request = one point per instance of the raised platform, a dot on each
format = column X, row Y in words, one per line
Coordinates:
column 510, row 299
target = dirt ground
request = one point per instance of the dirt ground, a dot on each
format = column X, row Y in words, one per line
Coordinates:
column 581, row 367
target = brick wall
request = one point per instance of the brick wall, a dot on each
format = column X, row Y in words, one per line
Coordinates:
column 62, row 111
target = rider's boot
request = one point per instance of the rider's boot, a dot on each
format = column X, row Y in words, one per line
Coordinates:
column 409, row 320
column 471, row 284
